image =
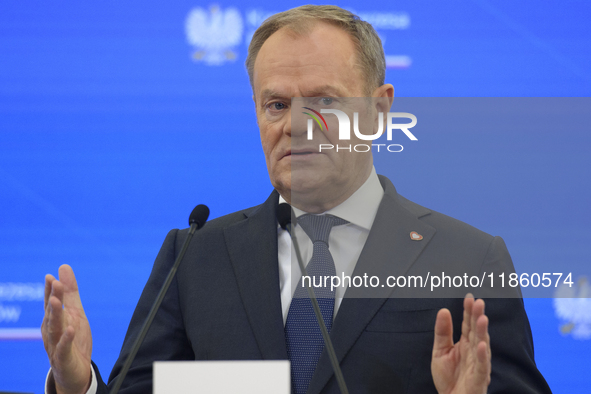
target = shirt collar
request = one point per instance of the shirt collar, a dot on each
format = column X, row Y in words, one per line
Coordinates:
column 361, row 207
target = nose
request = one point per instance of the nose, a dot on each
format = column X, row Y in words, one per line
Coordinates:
column 287, row 125
column 299, row 118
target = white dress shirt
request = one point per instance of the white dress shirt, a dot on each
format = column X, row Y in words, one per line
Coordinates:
column 345, row 241
column 345, row 244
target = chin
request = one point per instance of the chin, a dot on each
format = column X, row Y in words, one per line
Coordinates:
column 305, row 179
column 282, row 184
column 310, row 192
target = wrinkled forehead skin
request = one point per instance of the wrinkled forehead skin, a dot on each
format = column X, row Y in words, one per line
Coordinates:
column 318, row 63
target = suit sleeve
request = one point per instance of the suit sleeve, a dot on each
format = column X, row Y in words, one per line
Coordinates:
column 166, row 339
column 513, row 366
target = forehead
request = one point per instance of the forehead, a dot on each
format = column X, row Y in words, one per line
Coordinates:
column 321, row 61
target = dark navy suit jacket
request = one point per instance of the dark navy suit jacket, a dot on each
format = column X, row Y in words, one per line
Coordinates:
column 224, row 304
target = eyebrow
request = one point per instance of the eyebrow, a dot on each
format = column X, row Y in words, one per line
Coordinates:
column 270, row 94
column 320, row 91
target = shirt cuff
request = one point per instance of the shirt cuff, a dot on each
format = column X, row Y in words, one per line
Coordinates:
column 50, row 383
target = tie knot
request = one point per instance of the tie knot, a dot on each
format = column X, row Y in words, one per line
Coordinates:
column 318, row 226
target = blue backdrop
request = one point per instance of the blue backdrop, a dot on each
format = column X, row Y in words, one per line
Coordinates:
column 102, row 103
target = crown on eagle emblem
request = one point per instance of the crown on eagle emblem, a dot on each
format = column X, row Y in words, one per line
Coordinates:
column 214, row 34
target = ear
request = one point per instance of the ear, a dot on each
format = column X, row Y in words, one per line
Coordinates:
column 386, row 95
column 383, row 97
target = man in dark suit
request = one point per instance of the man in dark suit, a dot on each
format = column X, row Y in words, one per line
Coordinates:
column 231, row 298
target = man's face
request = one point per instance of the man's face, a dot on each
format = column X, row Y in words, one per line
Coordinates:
column 319, row 64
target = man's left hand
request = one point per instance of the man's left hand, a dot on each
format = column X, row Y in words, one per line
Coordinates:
column 464, row 367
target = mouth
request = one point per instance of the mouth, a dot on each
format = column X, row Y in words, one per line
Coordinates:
column 301, row 152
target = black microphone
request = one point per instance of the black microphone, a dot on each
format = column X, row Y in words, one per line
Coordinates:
column 197, row 219
column 199, row 216
column 285, row 215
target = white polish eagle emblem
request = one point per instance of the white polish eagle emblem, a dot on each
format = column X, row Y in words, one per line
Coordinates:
column 214, row 34
column 573, row 306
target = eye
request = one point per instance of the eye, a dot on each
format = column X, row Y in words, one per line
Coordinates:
column 277, row 106
column 326, row 100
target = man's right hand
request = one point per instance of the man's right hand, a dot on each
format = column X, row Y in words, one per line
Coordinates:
column 66, row 333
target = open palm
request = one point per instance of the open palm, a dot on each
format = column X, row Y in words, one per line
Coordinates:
column 463, row 367
column 66, row 333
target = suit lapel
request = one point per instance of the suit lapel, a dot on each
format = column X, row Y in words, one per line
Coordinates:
column 388, row 251
column 252, row 245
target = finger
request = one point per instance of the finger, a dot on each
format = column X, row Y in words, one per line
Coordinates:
column 48, row 281
column 57, row 290
column 466, row 323
column 482, row 332
column 64, row 346
column 483, row 353
column 443, row 340
column 55, row 321
column 71, row 295
column 53, row 318
column 477, row 311
column 483, row 365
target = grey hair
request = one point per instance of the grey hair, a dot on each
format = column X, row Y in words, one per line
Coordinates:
column 300, row 20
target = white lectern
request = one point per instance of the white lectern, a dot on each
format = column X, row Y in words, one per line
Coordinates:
column 221, row 377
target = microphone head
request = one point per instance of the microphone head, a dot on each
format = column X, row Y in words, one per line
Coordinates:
column 199, row 215
column 284, row 214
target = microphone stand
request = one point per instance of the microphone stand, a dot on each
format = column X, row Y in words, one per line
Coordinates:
column 196, row 220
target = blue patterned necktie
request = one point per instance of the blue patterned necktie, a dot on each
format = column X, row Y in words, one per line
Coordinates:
column 302, row 332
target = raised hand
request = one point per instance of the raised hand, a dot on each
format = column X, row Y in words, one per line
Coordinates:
column 464, row 367
column 66, row 333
